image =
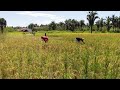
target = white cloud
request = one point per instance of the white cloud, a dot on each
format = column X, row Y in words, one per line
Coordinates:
column 45, row 15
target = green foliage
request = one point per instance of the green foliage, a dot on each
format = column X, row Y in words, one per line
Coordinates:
column 10, row 29
column 3, row 24
column 91, row 17
column 33, row 27
column 52, row 26
column 81, row 24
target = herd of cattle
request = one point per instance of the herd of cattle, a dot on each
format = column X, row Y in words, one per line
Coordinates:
column 45, row 37
column 78, row 39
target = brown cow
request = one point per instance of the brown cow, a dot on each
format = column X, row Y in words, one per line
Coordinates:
column 44, row 38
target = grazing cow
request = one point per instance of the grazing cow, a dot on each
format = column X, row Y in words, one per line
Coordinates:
column 80, row 40
column 44, row 38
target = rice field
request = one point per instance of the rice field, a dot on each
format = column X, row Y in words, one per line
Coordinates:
column 28, row 57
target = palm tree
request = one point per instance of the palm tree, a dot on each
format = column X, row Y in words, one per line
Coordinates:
column 73, row 25
column 98, row 25
column 70, row 24
column 62, row 25
column 108, row 24
column 3, row 24
column 116, row 23
column 66, row 24
column 91, row 17
column 113, row 21
column 82, row 24
column 119, row 22
column 52, row 25
column 101, row 23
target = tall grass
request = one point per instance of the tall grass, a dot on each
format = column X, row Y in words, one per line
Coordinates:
column 27, row 57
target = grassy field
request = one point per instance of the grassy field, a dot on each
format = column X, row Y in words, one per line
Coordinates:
column 27, row 57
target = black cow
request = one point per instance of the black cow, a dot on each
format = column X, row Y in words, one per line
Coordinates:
column 80, row 39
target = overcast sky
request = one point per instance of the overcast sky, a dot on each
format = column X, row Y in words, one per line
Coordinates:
column 24, row 18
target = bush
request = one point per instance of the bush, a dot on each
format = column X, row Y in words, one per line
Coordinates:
column 117, row 31
column 103, row 31
column 9, row 29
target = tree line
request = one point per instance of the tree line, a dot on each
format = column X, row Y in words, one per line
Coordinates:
column 95, row 23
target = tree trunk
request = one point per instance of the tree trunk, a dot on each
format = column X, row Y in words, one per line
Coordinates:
column 107, row 28
column 101, row 28
column 97, row 28
column 91, row 28
column 1, row 29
